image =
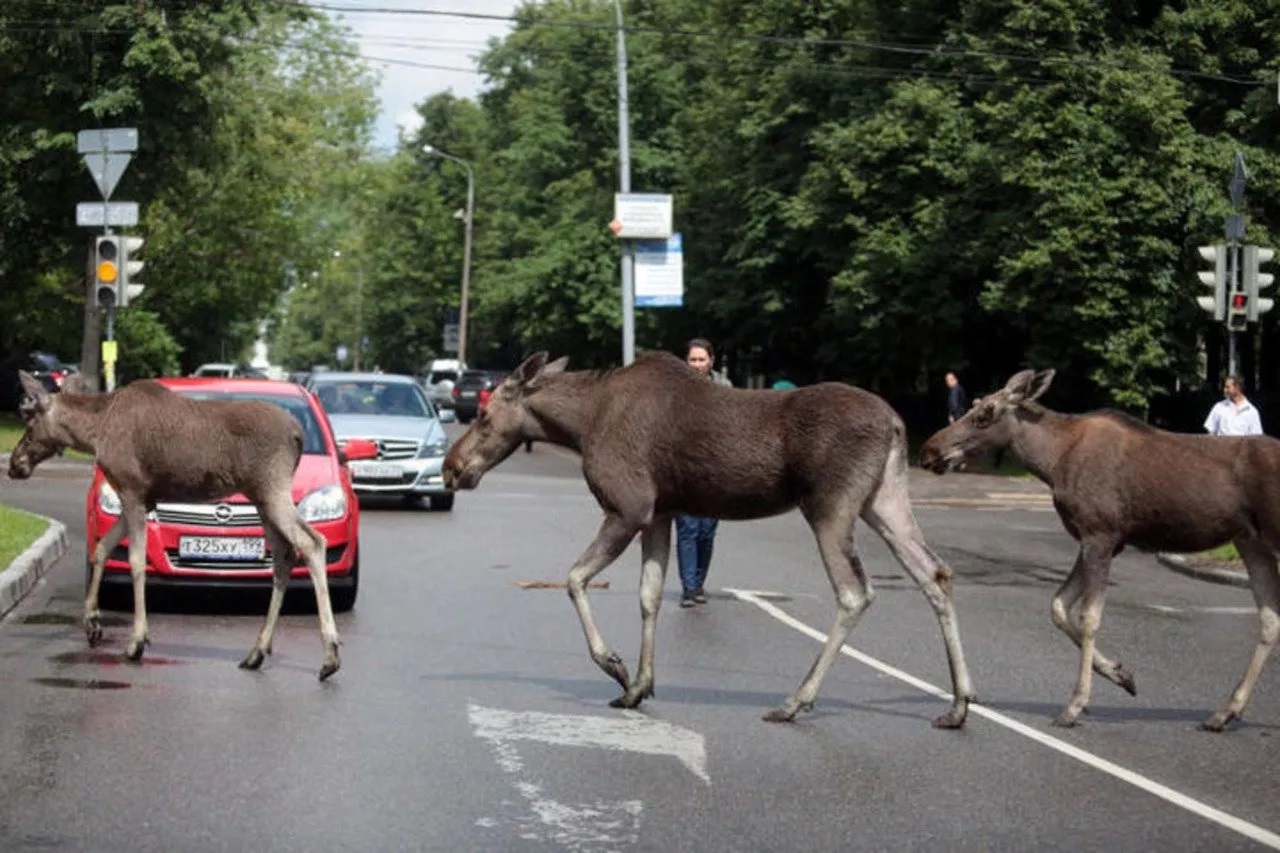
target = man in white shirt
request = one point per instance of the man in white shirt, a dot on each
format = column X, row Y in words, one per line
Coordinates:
column 1233, row 415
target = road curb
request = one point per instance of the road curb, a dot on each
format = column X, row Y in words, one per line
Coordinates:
column 1180, row 564
column 16, row 580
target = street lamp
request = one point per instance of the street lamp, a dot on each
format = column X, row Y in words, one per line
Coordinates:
column 466, row 247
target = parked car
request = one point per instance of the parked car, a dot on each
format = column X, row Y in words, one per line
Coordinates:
column 393, row 412
column 472, row 392
column 44, row 366
column 227, row 370
column 221, row 543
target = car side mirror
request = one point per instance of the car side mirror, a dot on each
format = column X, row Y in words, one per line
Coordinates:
column 355, row 449
column 447, row 416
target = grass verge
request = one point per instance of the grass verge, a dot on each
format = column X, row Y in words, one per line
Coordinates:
column 18, row 530
column 11, row 429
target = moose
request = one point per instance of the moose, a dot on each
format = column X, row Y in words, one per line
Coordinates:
column 154, row 445
column 656, row 439
column 1118, row 481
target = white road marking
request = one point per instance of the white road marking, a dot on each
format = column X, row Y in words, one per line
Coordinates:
column 601, row 825
column 633, row 732
column 1248, row 830
column 1215, row 611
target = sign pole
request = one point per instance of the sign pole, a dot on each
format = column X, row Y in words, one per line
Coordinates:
column 624, row 184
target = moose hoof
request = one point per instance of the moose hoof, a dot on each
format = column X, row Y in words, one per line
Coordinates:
column 1124, row 678
column 253, row 660
column 1066, row 720
column 135, row 649
column 632, row 698
column 953, row 719
column 1218, row 722
column 617, row 670
column 779, row 715
column 93, row 631
column 329, row 668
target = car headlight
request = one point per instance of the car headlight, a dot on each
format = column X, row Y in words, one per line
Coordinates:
column 108, row 500
column 433, row 449
column 324, row 504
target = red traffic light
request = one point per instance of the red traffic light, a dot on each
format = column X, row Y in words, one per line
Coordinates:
column 1239, row 302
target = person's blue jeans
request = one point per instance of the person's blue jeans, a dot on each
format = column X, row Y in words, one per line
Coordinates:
column 695, row 538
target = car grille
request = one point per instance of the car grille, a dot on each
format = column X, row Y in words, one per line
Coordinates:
column 209, row 515
column 396, row 448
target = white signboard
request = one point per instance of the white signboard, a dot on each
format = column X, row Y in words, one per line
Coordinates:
column 660, row 273
column 450, row 337
column 107, row 139
column 642, row 216
column 97, row 214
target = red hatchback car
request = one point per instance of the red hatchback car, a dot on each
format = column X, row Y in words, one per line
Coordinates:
column 221, row 544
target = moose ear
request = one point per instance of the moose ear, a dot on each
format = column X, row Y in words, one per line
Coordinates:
column 530, row 367
column 1028, row 385
column 35, row 392
column 1040, row 383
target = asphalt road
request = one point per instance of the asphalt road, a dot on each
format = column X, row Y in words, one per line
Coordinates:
column 468, row 716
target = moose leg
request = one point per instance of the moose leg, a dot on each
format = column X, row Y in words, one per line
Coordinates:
column 655, row 554
column 890, row 516
column 853, row 596
column 281, row 568
column 92, row 614
column 1260, row 562
column 1095, row 564
column 137, row 521
column 612, row 539
column 310, row 544
column 1065, row 599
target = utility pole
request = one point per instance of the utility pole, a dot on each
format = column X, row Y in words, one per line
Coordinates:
column 624, row 186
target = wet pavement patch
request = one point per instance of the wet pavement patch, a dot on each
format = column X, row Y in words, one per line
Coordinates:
column 49, row 619
column 108, row 659
column 69, row 619
column 83, row 683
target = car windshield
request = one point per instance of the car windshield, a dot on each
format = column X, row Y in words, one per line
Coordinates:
column 370, row 397
column 312, row 435
column 442, row 375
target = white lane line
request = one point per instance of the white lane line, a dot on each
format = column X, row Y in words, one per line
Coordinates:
column 1214, row 611
column 1248, row 830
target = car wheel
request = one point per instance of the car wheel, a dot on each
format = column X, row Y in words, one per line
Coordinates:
column 343, row 598
column 444, row 503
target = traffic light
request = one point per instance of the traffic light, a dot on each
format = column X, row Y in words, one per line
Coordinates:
column 1215, row 278
column 106, row 272
column 1238, row 311
column 130, row 268
column 1254, row 280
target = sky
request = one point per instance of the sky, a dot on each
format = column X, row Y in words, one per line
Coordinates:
column 439, row 40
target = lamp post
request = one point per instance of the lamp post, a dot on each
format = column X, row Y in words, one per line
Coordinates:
column 466, row 247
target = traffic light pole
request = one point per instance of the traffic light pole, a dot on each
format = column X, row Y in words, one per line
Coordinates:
column 1233, row 287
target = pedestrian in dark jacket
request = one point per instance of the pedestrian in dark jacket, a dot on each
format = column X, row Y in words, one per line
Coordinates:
column 957, row 399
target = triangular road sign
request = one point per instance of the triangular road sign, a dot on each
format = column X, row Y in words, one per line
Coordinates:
column 106, row 168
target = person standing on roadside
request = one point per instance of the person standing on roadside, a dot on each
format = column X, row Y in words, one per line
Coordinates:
column 957, row 399
column 1233, row 414
column 696, row 536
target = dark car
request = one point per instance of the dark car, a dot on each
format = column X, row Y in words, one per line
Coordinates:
column 471, row 392
column 44, row 366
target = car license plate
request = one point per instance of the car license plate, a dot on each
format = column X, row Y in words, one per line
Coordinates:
column 376, row 471
column 222, row 547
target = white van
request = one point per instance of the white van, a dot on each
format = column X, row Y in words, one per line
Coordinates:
column 440, row 380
